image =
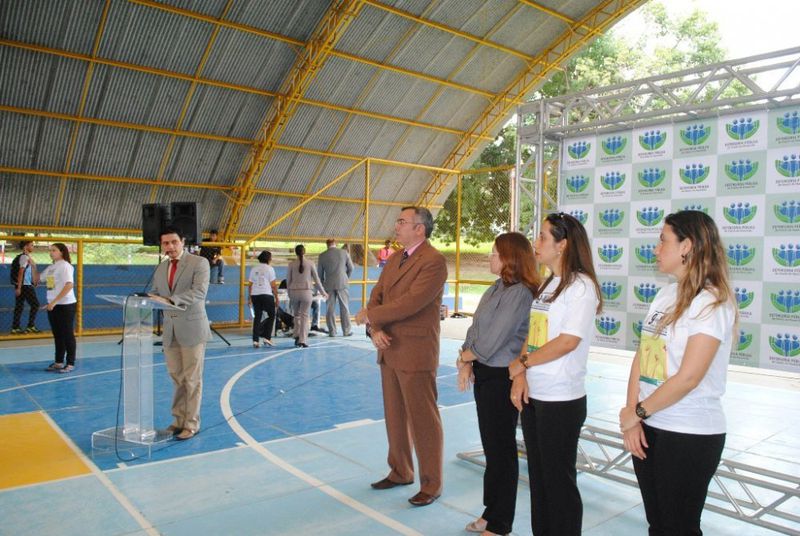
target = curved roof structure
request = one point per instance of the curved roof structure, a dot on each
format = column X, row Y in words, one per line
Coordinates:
column 250, row 108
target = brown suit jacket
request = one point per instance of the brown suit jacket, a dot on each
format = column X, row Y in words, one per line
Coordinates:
column 405, row 304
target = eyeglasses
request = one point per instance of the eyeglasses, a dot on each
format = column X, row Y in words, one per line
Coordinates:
column 401, row 221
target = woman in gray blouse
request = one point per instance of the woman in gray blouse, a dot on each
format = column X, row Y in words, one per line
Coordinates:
column 301, row 276
column 499, row 330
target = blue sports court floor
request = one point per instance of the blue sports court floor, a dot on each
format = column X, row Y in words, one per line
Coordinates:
column 291, row 439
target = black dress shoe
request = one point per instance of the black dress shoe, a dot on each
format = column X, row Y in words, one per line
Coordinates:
column 422, row 499
column 388, row 484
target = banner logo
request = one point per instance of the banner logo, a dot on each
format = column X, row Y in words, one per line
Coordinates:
column 646, row 253
column 650, row 216
column 741, row 129
column 694, row 173
column 789, row 123
column 611, row 217
column 637, row 329
column 607, row 325
column 743, row 298
column 580, row 215
column 740, row 254
column 577, row 183
column 610, row 252
column 786, row 301
column 698, row 208
column 739, row 213
column 789, row 166
column 652, row 140
column 741, row 170
column 645, row 292
column 610, row 290
column 745, row 339
column 613, row 180
column 614, row 145
column 695, row 134
column 785, row 345
column 652, row 177
column 787, row 255
column 578, row 149
column 788, row 211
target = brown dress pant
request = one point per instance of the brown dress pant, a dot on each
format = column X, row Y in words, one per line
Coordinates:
column 185, row 366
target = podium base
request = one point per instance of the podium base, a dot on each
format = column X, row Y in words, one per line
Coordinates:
column 136, row 445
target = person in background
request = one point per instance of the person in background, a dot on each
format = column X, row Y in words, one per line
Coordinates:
column 61, row 306
column 673, row 422
column 263, row 296
column 549, row 377
column 384, row 253
column 301, row 277
column 495, row 339
column 335, row 268
column 214, row 256
column 24, row 277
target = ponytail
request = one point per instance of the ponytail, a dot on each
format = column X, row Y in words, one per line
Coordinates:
column 300, row 251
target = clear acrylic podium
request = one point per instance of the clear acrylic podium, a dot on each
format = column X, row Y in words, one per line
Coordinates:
column 136, row 430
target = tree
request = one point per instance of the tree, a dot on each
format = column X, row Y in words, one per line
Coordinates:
column 670, row 44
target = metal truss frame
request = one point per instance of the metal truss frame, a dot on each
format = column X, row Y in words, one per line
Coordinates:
column 696, row 93
column 740, row 491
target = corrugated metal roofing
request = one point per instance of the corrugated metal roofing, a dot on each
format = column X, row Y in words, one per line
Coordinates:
column 182, row 91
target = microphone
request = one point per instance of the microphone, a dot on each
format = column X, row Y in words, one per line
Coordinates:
column 144, row 293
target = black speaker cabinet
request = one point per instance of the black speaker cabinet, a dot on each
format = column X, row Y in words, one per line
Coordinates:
column 186, row 218
column 154, row 218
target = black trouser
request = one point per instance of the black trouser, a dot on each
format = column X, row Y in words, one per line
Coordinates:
column 551, row 431
column 263, row 303
column 674, row 479
column 497, row 420
column 27, row 294
column 62, row 322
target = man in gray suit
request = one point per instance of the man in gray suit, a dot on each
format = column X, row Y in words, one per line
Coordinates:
column 334, row 270
column 182, row 280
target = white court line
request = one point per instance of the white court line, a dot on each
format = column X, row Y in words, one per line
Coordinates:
column 239, row 430
column 114, row 490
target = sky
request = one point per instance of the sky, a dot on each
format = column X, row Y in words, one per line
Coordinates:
column 747, row 27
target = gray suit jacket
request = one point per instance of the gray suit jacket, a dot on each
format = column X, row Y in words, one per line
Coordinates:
column 189, row 327
column 335, row 268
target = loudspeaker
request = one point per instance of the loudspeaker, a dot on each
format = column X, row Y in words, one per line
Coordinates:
column 186, row 218
column 154, row 218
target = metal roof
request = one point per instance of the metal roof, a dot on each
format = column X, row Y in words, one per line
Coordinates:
column 251, row 107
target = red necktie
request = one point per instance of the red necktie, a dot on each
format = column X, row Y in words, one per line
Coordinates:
column 173, row 267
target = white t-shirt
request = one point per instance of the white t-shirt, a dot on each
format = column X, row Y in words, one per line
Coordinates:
column 56, row 276
column 571, row 313
column 261, row 276
column 660, row 356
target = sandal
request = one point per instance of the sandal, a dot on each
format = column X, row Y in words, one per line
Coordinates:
column 55, row 367
column 268, row 342
column 68, row 368
column 255, row 344
column 479, row 525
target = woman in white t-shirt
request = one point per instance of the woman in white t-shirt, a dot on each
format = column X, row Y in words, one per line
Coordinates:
column 61, row 305
column 263, row 292
column 673, row 422
column 548, row 380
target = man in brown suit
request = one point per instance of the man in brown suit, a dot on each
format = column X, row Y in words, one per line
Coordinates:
column 403, row 320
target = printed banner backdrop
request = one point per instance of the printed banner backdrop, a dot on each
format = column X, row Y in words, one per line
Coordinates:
column 744, row 171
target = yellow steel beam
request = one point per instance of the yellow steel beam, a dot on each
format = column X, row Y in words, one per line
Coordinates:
column 303, row 203
column 599, row 19
column 87, row 80
column 225, row 85
column 63, row 228
column 447, row 29
column 487, row 169
column 298, row 43
column 551, row 12
column 188, row 99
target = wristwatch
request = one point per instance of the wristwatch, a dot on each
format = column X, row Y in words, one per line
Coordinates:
column 524, row 360
column 641, row 412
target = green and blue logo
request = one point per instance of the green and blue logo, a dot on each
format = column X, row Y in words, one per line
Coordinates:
column 694, row 173
column 785, row 345
column 787, row 255
column 740, row 254
column 652, row 140
column 650, row 216
column 744, row 340
column 610, row 252
column 646, row 253
column 578, row 150
column 614, row 145
column 611, row 217
column 789, row 123
column 742, row 128
column 788, row 211
column 739, row 213
column 577, row 183
column 652, row 177
column 607, row 325
column 743, row 297
column 695, row 134
column 786, row 301
column 788, row 166
column 741, row 170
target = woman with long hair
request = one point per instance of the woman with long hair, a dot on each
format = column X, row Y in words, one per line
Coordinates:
column 495, row 339
column 301, row 277
column 548, row 378
column 673, row 423
column 61, row 306
column 263, row 296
